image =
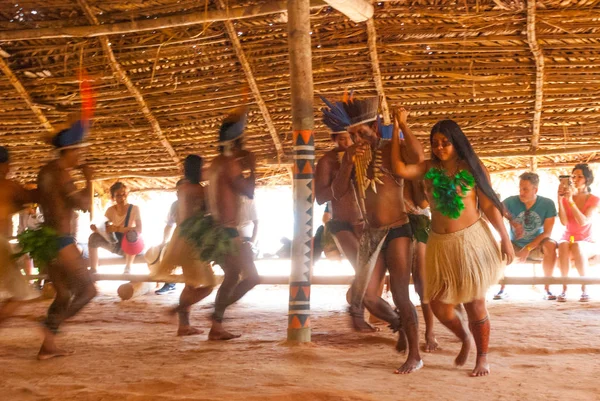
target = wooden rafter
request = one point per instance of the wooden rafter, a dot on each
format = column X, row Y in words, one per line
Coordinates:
column 122, row 75
column 539, row 74
column 25, row 95
column 237, row 46
column 173, row 21
column 372, row 42
column 538, row 153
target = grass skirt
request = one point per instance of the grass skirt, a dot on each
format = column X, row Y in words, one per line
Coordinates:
column 179, row 252
column 461, row 266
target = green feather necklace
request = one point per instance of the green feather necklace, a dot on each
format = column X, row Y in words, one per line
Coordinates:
column 448, row 200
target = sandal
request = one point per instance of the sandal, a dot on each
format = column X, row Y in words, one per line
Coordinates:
column 562, row 297
column 584, row 297
column 501, row 295
column 550, row 296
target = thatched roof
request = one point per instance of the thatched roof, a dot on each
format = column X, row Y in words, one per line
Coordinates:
column 518, row 79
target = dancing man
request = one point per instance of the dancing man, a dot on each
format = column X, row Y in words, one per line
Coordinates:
column 232, row 176
column 59, row 199
column 386, row 242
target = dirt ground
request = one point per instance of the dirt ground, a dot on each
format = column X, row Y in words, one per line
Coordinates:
column 127, row 350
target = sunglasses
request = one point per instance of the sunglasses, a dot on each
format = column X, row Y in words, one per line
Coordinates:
column 526, row 217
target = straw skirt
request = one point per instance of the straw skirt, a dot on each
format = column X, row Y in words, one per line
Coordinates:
column 461, row 266
column 196, row 272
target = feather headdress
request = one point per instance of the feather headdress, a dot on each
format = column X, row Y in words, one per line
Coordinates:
column 233, row 125
column 334, row 116
column 360, row 111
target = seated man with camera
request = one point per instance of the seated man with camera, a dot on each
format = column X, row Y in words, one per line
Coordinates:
column 533, row 219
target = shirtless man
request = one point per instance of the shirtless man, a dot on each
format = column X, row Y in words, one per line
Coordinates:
column 346, row 224
column 387, row 238
column 198, row 274
column 13, row 197
column 231, row 176
column 418, row 213
column 59, row 198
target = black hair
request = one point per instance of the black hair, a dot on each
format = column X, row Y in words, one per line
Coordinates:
column 587, row 173
column 532, row 177
column 192, row 168
column 115, row 187
column 458, row 139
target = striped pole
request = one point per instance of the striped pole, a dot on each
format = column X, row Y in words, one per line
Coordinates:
column 304, row 163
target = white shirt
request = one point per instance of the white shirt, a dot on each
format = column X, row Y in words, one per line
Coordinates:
column 119, row 220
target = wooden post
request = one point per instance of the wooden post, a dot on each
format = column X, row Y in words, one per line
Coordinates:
column 303, row 168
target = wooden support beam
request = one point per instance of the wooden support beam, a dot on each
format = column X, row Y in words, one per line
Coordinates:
column 372, row 42
column 237, row 46
column 539, row 77
column 538, row 153
column 122, row 76
column 16, row 83
column 173, row 21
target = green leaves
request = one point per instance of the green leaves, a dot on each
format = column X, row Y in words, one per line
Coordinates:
column 421, row 226
column 40, row 244
column 448, row 200
column 210, row 240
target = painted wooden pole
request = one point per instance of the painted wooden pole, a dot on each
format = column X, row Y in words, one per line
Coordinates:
column 303, row 168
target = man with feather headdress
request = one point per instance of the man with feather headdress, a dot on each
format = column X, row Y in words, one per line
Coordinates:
column 232, row 176
column 387, row 237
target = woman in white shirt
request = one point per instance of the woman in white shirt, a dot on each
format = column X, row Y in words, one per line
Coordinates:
column 122, row 218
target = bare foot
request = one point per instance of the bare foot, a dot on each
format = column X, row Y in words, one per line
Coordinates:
column 482, row 368
column 431, row 343
column 222, row 335
column 52, row 353
column 362, row 326
column 401, row 344
column 462, row 356
column 188, row 331
column 409, row 367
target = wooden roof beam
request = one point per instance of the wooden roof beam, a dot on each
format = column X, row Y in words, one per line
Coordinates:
column 540, row 153
column 372, row 43
column 237, row 46
column 122, row 75
column 173, row 21
column 16, row 83
column 539, row 77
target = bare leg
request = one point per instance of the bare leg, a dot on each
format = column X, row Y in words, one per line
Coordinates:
column 581, row 264
column 232, row 268
column 250, row 275
column 8, row 308
column 348, row 243
column 128, row 262
column 446, row 314
column 398, row 259
column 479, row 324
column 549, row 261
column 376, row 305
column 189, row 296
column 418, row 273
column 70, row 278
column 563, row 261
column 93, row 259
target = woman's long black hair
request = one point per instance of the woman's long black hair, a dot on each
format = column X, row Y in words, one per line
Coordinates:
column 465, row 151
column 192, row 168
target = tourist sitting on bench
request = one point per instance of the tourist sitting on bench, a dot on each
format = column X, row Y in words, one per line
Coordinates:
column 122, row 218
column 533, row 218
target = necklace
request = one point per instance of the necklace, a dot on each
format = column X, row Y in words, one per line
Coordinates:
column 448, row 200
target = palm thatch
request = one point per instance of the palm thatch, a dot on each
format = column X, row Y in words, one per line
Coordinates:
column 521, row 77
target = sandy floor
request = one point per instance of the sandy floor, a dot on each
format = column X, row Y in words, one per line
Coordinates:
column 540, row 350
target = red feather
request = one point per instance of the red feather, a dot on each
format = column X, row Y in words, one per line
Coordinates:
column 88, row 103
